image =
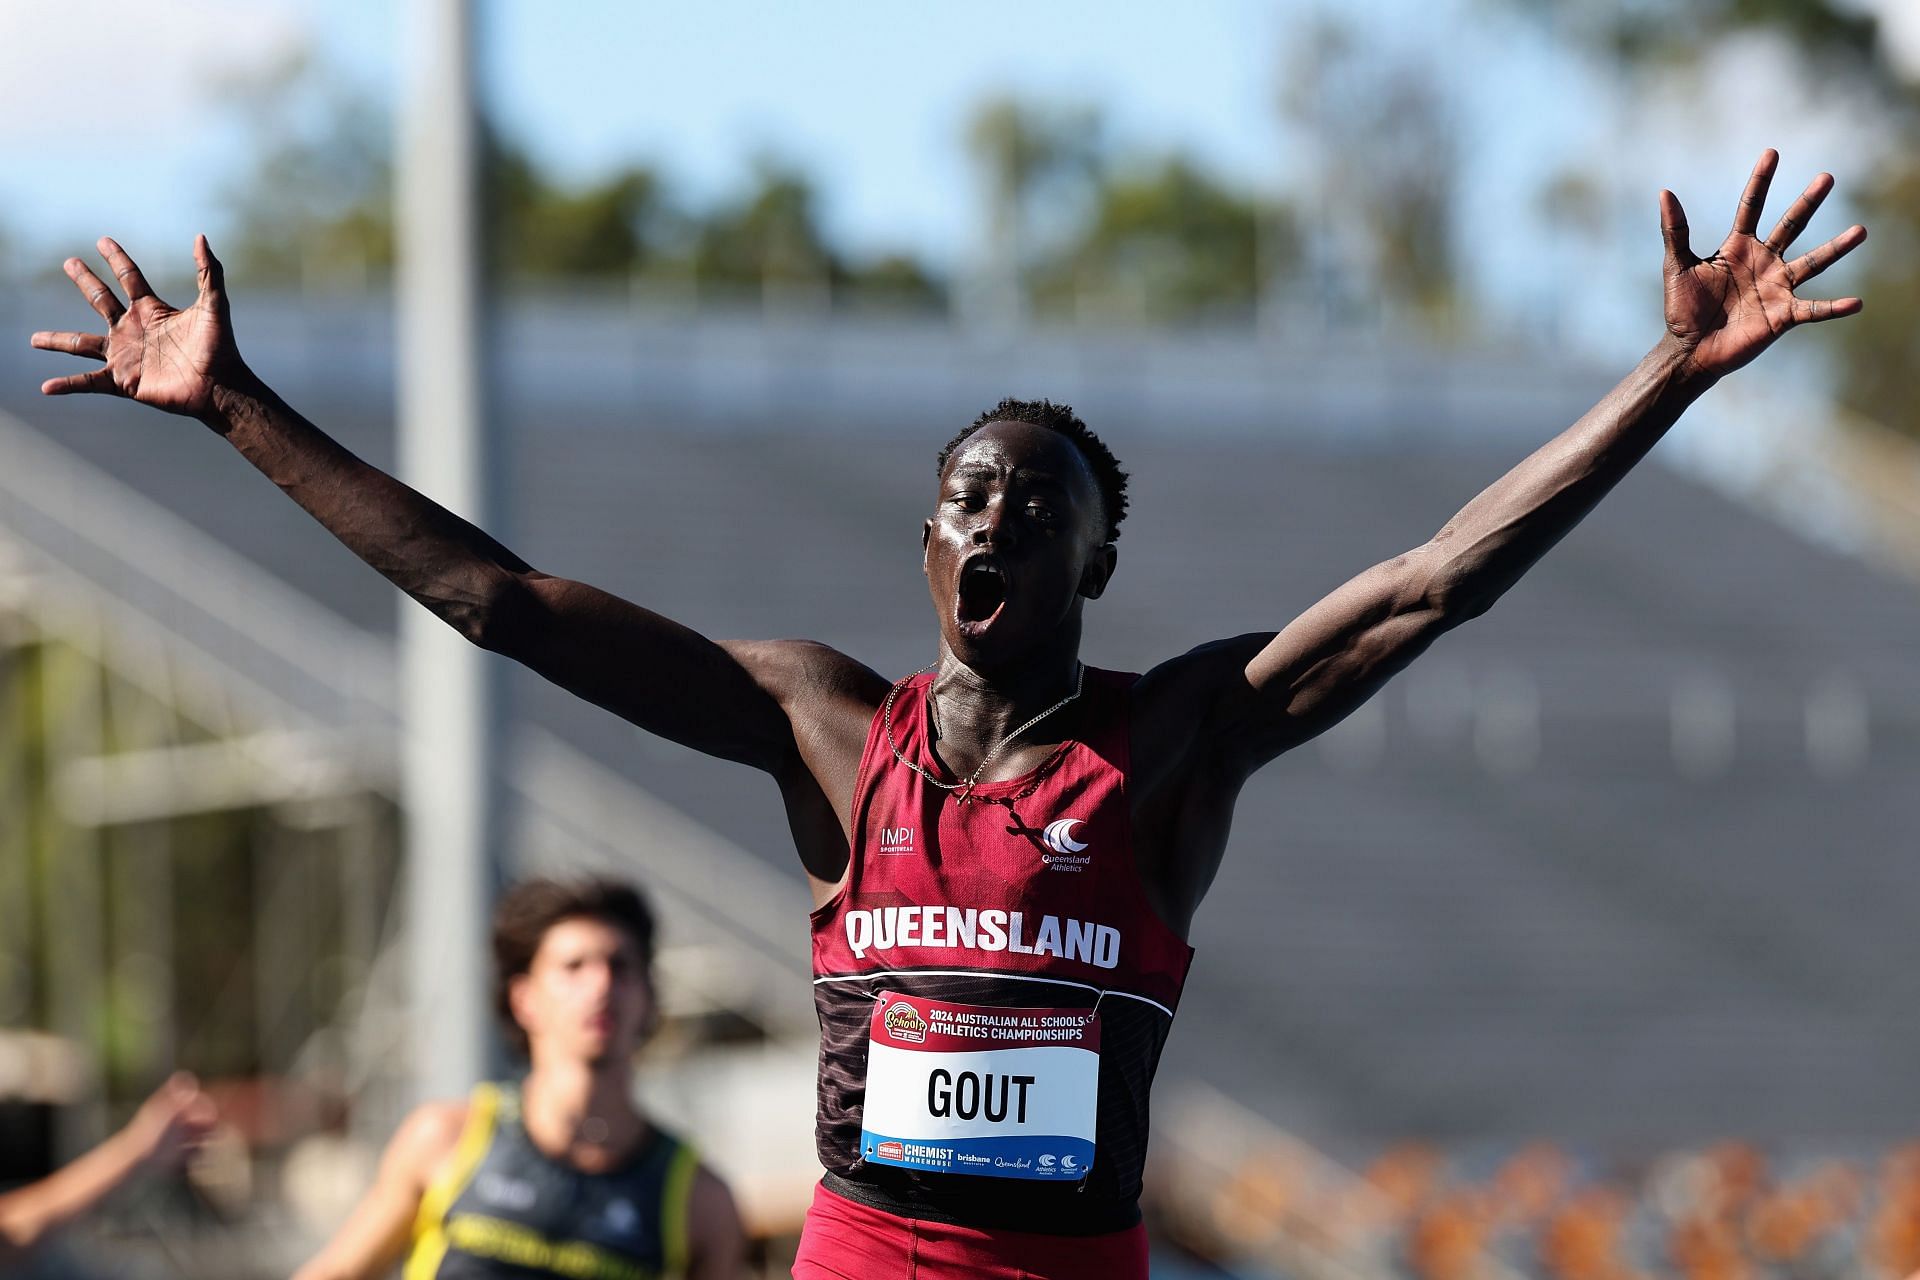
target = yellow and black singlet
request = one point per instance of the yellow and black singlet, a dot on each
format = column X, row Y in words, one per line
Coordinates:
column 504, row 1211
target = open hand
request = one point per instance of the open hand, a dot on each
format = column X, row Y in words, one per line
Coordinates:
column 154, row 354
column 173, row 1123
column 1727, row 309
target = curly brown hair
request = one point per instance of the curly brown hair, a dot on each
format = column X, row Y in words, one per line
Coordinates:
column 528, row 909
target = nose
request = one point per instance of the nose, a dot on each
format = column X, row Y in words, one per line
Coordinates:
column 996, row 526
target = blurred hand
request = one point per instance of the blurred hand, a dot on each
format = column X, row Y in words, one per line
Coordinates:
column 154, row 354
column 1727, row 309
column 172, row 1124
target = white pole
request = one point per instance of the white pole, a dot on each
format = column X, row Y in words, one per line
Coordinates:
column 451, row 690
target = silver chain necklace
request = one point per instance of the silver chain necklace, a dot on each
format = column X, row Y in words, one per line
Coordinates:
column 966, row 788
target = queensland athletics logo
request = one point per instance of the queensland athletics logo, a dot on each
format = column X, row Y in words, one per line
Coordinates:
column 1067, row 854
column 904, row 1022
column 1059, row 835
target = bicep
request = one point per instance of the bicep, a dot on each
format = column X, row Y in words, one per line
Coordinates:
column 1330, row 659
column 648, row 669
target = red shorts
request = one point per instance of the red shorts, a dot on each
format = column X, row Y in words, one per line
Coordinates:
column 845, row 1240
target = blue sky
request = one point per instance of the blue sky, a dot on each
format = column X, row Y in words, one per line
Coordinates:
column 872, row 97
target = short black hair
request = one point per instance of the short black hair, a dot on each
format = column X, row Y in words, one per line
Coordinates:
column 1061, row 418
column 530, row 908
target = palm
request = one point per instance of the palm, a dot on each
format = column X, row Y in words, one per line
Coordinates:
column 151, row 352
column 1726, row 309
column 164, row 358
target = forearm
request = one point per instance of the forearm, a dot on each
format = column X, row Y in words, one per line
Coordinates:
column 1499, row 535
column 433, row 555
column 32, row 1213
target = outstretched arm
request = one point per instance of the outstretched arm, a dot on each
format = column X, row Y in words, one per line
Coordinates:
column 1268, row 693
column 637, row 664
column 169, row 1126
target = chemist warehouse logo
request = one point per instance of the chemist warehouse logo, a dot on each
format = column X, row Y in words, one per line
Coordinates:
column 1064, row 852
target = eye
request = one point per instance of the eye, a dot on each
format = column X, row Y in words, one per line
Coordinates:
column 968, row 501
column 1042, row 513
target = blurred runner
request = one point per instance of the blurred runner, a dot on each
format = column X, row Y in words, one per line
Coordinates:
column 558, row 1175
column 167, row 1129
column 1006, row 849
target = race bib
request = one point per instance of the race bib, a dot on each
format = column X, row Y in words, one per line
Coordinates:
column 962, row 1088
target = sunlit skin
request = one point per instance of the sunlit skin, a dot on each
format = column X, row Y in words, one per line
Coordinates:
column 1023, row 498
column 1202, row 721
column 170, row 1127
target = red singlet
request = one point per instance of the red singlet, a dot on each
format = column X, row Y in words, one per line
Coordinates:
column 1024, row 899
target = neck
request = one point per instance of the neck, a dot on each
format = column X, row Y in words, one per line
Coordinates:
column 977, row 709
column 580, row 1111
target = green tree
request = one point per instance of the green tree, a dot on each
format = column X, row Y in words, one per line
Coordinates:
column 1386, row 148
column 1165, row 242
column 769, row 241
column 316, row 204
column 892, row 281
column 1031, row 159
column 616, row 226
column 1876, row 352
column 769, row 235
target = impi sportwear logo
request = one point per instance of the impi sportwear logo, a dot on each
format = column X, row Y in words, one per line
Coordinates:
column 896, row 840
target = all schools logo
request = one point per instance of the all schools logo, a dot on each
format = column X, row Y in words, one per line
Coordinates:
column 896, row 840
column 1065, row 853
column 904, row 1022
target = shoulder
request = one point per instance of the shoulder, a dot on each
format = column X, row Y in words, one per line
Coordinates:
column 710, row 1199
column 1184, row 692
column 715, row 1235
column 426, row 1140
column 795, row 671
column 790, row 669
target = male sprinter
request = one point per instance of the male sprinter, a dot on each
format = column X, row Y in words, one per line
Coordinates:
column 560, row 1175
column 1006, row 850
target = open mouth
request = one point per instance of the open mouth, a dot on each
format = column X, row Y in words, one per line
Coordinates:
column 983, row 590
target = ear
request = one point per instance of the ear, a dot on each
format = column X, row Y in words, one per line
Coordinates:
column 517, row 1002
column 1099, row 571
column 926, row 542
